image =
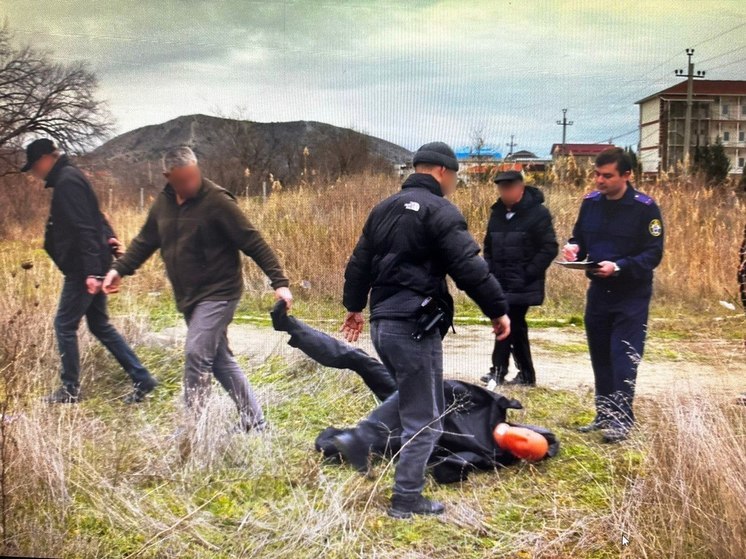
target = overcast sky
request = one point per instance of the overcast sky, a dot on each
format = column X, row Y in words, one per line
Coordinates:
column 408, row 72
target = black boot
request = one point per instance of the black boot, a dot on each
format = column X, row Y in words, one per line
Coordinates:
column 497, row 374
column 65, row 394
column 616, row 433
column 597, row 424
column 140, row 390
column 354, row 450
column 524, row 361
column 489, row 376
column 404, row 506
column 521, row 380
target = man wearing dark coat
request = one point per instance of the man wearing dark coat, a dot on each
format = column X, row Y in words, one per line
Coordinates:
column 410, row 242
column 81, row 243
column 519, row 246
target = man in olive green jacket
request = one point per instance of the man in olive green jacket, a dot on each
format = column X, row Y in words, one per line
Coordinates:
column 200, row 230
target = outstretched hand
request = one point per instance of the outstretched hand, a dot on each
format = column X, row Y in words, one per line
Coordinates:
column 284, row 294
column 112, row 281
column 352, row 326
column 501, row 327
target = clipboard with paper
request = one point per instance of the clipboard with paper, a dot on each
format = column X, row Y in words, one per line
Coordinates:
column 581, row 265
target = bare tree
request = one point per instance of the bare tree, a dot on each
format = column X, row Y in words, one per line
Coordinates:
column 246, row 148
column 38, row 96
column 349, row 151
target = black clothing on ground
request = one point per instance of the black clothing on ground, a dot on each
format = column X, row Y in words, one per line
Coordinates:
column 466, row 443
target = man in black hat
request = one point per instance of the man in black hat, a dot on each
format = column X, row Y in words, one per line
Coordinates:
column 519, row 246
column 80, row 242
column 410, row 242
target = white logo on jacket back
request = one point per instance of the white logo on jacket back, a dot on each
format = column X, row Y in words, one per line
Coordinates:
column 414, row 206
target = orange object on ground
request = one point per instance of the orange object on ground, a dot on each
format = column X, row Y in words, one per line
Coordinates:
column 521, row 442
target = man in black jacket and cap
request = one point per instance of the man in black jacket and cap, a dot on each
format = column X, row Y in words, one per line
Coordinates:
column 519, row 246
column 80, row 242
column 409, row 243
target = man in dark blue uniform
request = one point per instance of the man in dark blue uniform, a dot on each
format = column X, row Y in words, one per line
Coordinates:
column 621, row 230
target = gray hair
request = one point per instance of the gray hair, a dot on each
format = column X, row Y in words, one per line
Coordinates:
column 181, row 156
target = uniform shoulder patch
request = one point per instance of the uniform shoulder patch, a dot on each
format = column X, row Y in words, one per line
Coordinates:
column 644, row 199
column 592, row 195
column 655, row 227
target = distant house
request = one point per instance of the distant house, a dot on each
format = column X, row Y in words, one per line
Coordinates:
column 583, row 154
column 718, row 111
column 524, row 161
column 476, row 164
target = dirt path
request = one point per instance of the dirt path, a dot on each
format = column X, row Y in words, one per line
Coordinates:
column 559, row 353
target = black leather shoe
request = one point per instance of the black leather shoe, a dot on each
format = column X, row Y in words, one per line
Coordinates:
column 405, row 506
column 520, row 380
column 64, row 395
column 498, row 375
column 615, row 435
column 141, row 390
column 354, row 451
column 595, row 425
column 279, row 314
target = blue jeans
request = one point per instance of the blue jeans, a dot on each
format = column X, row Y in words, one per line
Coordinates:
column 75, row 303
column 417, row 367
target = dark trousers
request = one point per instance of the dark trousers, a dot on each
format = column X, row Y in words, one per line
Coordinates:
column 517, row 344
column 417, row 367
column 75, row 303
column 616, row 327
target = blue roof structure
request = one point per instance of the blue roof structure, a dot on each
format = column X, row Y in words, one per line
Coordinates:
column 486, row 152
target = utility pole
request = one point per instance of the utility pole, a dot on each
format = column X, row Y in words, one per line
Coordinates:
column 564, row 123
column 511, row 144
column 690, row 75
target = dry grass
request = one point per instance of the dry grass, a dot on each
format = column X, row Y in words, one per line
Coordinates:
column 101, row 479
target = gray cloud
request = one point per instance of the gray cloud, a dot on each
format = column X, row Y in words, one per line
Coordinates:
column 405, row 71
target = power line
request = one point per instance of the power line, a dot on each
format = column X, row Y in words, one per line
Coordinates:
column 720, row 34
column 723, row 54
column 728, row 64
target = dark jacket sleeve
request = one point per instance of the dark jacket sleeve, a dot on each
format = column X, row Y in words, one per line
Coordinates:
column 358, row 274
column 577, row 235
column 637, row 266
column 108, row 229
column 250, row 241
column 487, row 245
column 74, row 201
column 142, row 246
column 460, row 254
column 546, row 241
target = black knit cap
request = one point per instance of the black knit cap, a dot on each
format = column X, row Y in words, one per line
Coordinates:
column 436, row 153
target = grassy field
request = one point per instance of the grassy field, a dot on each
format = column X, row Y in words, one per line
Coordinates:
column 103, row 479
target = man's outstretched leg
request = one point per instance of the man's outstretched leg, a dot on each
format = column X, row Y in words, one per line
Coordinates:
column 99, row 325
